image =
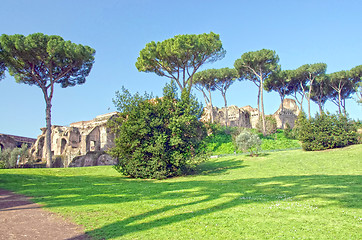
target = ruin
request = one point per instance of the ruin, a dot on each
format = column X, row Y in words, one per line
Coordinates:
column 70, row 145
column 248, row 117
column 85, row 143
column 11, row 141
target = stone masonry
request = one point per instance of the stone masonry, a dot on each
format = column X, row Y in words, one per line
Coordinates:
column 77, row 140
column 248, row 117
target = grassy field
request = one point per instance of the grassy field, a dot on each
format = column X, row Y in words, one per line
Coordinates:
column 280, row 195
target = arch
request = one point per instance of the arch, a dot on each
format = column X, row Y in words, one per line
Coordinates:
column 63, row 144
column 1, row 147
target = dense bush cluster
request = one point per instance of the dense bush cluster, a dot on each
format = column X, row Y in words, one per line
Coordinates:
column 326, row 131
column 10, row 157
column 157, row 138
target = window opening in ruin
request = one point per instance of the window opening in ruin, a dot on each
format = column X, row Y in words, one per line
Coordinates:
column 92, row 145
column 1, row 147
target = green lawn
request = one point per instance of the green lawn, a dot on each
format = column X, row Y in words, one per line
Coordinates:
column 280, row 195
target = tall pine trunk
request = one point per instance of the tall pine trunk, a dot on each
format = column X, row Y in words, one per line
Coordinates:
column 262, row 107
column 226, row 110
column 212, row 108
column 48, row 134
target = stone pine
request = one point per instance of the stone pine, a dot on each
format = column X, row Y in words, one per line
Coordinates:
column 257, row 66
column 180, row 57
column 43, row 61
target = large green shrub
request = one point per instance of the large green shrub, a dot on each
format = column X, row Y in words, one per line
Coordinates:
column 248, row 141
column 157, row 138
column 326, row 131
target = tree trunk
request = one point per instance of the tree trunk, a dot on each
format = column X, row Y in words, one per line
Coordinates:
column 212, row 108
column 48, row 134
column 262, row 106
column 309, row 95
column 226, row 110
column 320, row 107
column 339, row 102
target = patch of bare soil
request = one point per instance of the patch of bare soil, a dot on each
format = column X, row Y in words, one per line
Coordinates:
column 22, row 219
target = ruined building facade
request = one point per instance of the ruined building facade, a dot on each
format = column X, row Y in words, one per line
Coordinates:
column 11, row 141
column 248, row 117
column 81, row 144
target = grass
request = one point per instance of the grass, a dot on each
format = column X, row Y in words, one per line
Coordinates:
column 222, row 143
column 280, row 195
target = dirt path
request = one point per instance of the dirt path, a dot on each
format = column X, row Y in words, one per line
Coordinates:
column 22, row 219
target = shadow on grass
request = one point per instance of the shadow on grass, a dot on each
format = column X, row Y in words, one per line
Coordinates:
column 186, row 194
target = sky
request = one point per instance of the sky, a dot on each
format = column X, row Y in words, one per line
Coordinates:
column 301, row 32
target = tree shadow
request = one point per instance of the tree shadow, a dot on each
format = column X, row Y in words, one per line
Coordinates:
column 181, row 195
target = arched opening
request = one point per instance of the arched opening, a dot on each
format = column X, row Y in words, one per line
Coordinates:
column 1, row 147
column 63, row 143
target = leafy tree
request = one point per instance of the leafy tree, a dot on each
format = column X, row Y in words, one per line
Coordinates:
column 157, row 138
column 204, row 81
column 257, row 67
column 224, row 78
column 280, row 82
column 321, row 92
column 220, row 79
column 297, row 87
column 343, row 87
column 356, row 75
column 309, row 73
column 43, row 61
column 2, row 65
column 180, row 57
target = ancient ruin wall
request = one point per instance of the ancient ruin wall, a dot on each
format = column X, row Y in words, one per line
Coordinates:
column 248, row 117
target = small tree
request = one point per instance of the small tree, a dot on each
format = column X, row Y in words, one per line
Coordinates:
column 157, row 138
column 247, row 141
column 43, row 61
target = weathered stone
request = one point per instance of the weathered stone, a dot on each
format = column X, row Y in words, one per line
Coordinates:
column 248, row 117
column 98, row 158
column 11, row 141
column 76, row 140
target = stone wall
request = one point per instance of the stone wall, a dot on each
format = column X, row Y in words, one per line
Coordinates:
column 248, row 117
column 11, row 141
column 76, row 140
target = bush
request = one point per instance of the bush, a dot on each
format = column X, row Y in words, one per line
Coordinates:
column 326, row 131
column 270, row 125
column 10, row 157
column 157, row 138
column 248, row 141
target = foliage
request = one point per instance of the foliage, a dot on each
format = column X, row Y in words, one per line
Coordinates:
column 288, row 132
column 180, row 57
column 326, row 131
column 222, row 140
column 290, row 194
column 257, row 67
column 249, row 142
column 308, row 73
column 9, row 157
column 157, row 138
column 43, row 61
column 270, row 125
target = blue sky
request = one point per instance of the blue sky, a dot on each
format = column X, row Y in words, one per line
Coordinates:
column 300, row 32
